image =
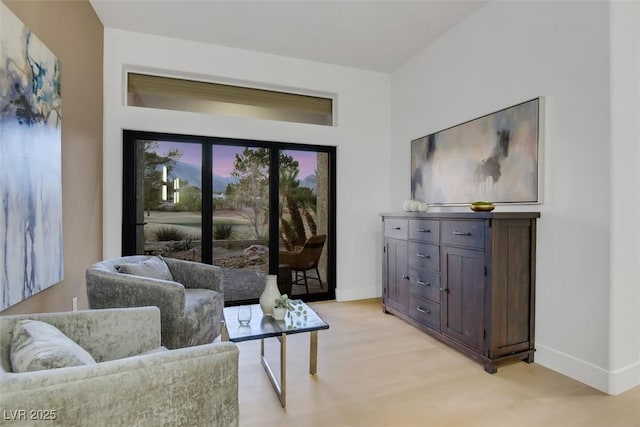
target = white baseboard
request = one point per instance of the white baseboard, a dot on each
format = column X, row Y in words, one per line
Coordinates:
column 610, row 382
column 624, row 379
column 356, row 294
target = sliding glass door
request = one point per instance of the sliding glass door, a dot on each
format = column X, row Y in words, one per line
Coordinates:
column 246, row 206
column 240, row 217
column 303, row 217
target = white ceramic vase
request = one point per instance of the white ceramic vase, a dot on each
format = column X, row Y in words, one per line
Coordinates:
column 269, row 295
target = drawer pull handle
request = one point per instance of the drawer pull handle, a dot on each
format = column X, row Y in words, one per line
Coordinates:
column 397, row 228
column 461, row 233
column 419, row 255
column 444, row 290
column 404, row 276
column 420, row 282
column 424, row 230
column 422, row 310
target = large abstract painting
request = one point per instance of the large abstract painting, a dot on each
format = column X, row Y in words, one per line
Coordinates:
column 30, row 163
column 493, row 158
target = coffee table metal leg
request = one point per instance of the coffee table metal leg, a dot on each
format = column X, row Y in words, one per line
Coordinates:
column 283, row 370
column 313, row 353
column 281, row 388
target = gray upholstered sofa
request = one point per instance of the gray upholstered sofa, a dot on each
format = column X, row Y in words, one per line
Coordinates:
column 190, row 304
column 134, row 382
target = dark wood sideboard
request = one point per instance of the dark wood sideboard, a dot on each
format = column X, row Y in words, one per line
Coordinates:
column 467, row 279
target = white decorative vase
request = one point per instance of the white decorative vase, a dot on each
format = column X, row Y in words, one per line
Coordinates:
column 269, row 295
column 279, row 313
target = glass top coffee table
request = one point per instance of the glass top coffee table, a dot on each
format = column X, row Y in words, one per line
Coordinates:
column 261, row 327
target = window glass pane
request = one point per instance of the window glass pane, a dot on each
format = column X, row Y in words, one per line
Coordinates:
column 241, row 218
column 304, row 198
column 171, row 198
column 214, row 98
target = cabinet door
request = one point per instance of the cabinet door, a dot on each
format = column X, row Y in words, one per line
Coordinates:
column 512, row 296
column 462, row 301
column 397, row 296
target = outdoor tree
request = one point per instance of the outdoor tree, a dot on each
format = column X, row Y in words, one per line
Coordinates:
column 289, row 171
column 251, row 192
column 190, row 198
column 153, row 163
column 299, row 202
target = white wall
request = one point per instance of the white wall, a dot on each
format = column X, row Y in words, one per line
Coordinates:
column 503, row 54
column 624, row 345
column 361, row 136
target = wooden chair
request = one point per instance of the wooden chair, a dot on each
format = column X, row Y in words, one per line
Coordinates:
column 305, row 258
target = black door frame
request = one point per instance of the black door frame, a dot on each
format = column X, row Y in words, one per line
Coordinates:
column 129, row 222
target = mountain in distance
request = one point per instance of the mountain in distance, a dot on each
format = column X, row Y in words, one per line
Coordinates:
column 192, row 174
column 220, row 183
column 311, row 182
column 187, row 172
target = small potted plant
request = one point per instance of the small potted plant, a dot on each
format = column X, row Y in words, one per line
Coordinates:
column 281, row 305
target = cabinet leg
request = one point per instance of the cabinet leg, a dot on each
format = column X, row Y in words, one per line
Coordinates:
column 529, row 358
column 490, row 368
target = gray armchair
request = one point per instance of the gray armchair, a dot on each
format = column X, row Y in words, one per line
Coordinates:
column 134, row 382
column 190, row 305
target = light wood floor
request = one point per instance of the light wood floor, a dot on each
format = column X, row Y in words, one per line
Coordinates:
column 376, row 370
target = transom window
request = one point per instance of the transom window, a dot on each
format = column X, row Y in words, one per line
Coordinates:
column 170, row 93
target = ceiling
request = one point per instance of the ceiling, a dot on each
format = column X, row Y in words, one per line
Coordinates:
column 373, row 35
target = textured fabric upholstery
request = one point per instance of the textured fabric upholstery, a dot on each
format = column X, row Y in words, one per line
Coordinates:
column 38, row 345
column 195, row 386
column 154, row 267
column 190, row 305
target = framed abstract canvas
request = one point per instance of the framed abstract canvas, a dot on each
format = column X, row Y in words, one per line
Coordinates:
column 494, row 158
column 30, row 163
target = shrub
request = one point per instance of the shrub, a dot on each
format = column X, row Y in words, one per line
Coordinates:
column 186, row 244
column 166, row 234
column 222, row 231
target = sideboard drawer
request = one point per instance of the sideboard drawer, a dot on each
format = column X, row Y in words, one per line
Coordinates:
column 463, row 233
column 425, row 283
column 426, row 230
column 425, row 311
column 424, row 255
column 395, row 228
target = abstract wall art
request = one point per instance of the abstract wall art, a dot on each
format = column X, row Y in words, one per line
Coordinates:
column 30, row 163
column 494, row 158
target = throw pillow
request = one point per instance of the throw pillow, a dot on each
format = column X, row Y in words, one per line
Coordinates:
column 154, row 267
column 38, row 345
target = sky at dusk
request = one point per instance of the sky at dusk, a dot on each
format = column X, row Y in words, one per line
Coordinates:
column 224, row 155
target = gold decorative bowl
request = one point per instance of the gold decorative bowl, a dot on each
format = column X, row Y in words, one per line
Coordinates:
column 482, row 207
